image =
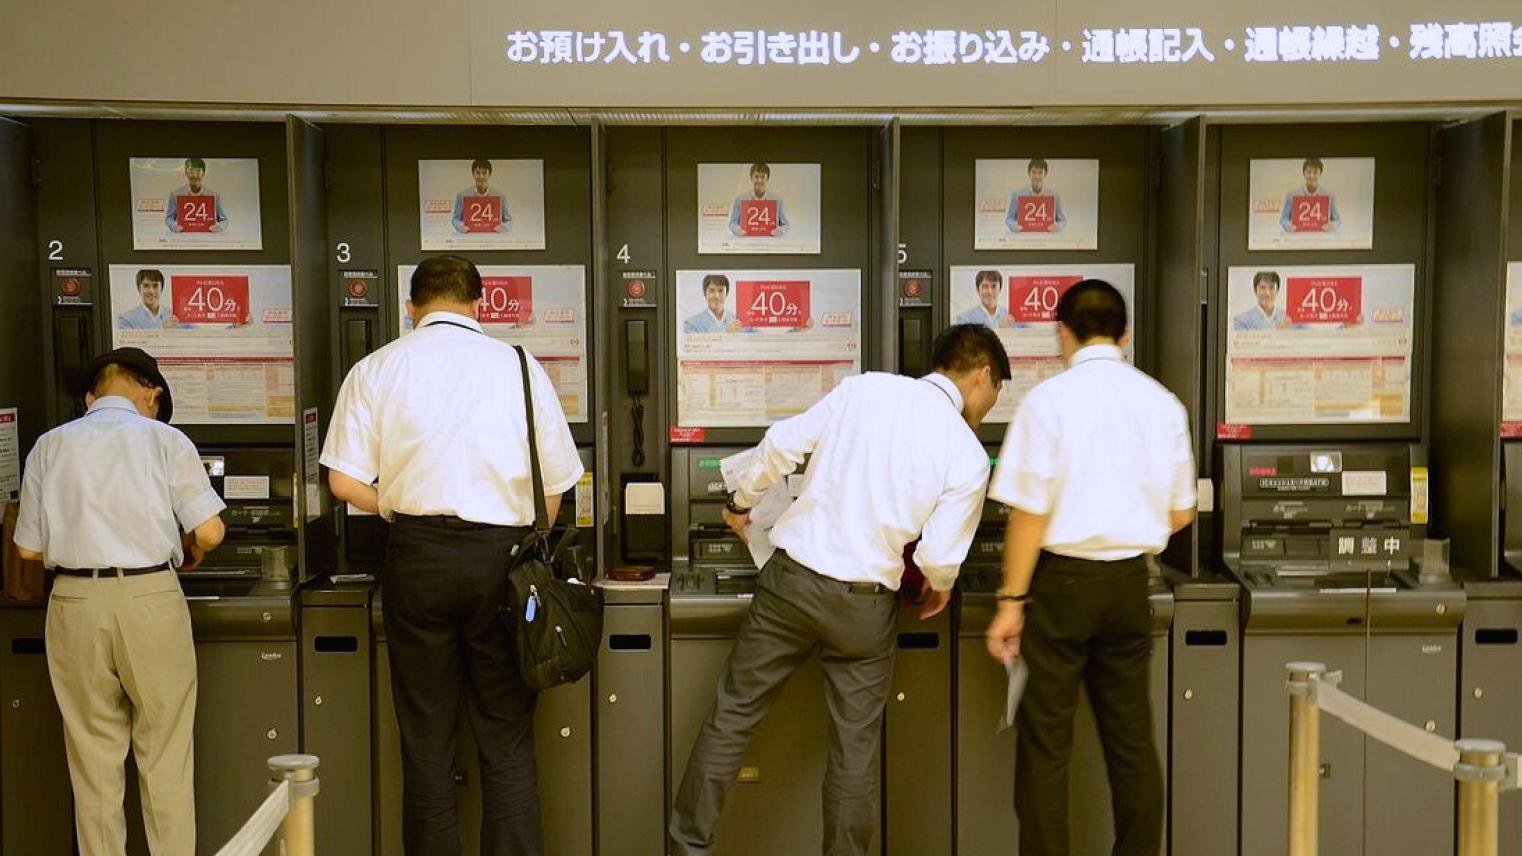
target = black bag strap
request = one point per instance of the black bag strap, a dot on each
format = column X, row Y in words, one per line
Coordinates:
column 541, row 512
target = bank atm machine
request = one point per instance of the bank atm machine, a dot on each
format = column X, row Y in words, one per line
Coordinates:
column 129, row 235
column 1000, row 249
column 1320, row 376
column 35, row 813
column 762, row 321
column 391, row 204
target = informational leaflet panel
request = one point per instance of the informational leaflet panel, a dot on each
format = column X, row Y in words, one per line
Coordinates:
column 10, row 455
column 481, row 204
column 1511, row 405
column 1036, row 203
column 1311, row 203
column 195, row 203
column 1319, row 345
column 541, row 307
column 221, row 334
column 1020, row 304
column 758, row 208
column 756, row 346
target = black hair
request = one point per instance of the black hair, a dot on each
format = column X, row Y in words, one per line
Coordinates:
column 150, row 275
column 964, row 348
column 716, row 279
column 1092, row 307
column 1266, row 275
column 480, row 163
column 450, row 278
column 195, row 163
column 1037, row 163
column 761, row 168
column 995, row 276
column 1312, row 162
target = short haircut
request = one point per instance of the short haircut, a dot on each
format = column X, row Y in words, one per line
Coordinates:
column 1312, row 162
column 1092, row 307
column 964, row 348
column 480, row 163
column 195, row 163
column 445, row 278
column 761, row 168
column 718, row 279
column 150, row 275
column 1267, row 276
column 1037, row 163
column 988, row 276
column 111, row 371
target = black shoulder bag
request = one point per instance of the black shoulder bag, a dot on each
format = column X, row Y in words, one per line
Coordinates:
column 557, row 624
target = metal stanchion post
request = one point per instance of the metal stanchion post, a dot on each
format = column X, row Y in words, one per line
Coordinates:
column 298, row 830
column 1304, row 759
column 1479, row 773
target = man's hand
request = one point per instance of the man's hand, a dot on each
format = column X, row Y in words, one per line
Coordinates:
column 171, row 321
column 176, row 228
column 738, row 523
column 194, row 555
column 219, row 227
column 935, row 602
column 1004, row 631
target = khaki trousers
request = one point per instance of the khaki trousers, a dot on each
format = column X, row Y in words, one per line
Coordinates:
column 124, row 670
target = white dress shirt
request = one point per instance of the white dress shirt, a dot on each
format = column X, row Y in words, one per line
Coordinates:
column 1104, row 449
column 437, row 416
column 893, row 460
column 113, row 489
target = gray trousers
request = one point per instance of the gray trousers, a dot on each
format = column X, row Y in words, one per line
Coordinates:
column 795, row 611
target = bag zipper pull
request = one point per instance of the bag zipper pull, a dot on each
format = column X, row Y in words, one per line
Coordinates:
column 559, row 631
column 531, row 609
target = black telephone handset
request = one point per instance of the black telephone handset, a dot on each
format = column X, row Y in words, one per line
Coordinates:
column 637, row 382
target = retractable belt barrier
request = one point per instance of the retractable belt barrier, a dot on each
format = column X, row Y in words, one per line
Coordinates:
column 287, row 810
column 1483, row 768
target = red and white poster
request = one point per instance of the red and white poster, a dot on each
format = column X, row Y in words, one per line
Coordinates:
column 541, row 307
column 482, row 203
column 10, row 455
column 195, row 203
column 1311, row 203
column 1036, row 203
column 1511, row 401
column 1319, row 345
column 221, row 334
column 756, row 346
column 758, row 208
column 1019, row 303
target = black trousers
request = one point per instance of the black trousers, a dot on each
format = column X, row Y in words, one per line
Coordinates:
column 441, row 589
column 1087, row 622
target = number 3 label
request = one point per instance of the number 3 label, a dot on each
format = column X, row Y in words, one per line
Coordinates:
column 342, row 253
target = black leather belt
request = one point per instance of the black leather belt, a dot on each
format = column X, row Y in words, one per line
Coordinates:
column 852, row 587
column 447, row 521
column 109, row 572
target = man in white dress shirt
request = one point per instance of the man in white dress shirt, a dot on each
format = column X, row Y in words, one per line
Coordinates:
column 437, row 418
column 1098, row 470
column 894, row 459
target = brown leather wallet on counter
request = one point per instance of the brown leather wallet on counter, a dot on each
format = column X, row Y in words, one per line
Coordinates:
column 631, row 573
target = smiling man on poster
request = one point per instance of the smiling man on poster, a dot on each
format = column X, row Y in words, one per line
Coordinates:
column 758, row 213
column 988, row 312
column 1266, row 314
column 1054, row 220
column 473, row 206
column 1316, row 218
column 151, row 314
column 194, row 207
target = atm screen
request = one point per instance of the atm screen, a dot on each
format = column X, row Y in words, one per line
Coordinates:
column 758, row 346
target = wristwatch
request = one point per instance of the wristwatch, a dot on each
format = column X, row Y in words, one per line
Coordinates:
column 1006, row 595
column 736, row 510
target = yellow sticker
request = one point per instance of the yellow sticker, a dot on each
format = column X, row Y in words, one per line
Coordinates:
column 584, row 517
column 1419, row 496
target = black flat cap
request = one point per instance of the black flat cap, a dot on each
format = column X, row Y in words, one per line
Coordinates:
column 140, row 363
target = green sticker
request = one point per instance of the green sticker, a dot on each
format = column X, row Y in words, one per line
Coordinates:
column 708, row 463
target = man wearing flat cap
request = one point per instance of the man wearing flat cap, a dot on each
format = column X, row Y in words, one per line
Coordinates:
column 104, row 502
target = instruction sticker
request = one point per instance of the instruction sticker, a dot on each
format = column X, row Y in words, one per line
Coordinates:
column 10, row 455
column 246, row 487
